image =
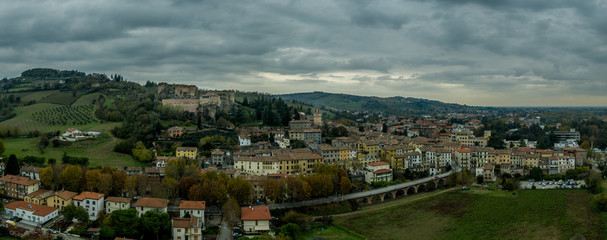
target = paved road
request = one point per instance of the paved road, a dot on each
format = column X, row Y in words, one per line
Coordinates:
column 225, row 233
column 357, row 195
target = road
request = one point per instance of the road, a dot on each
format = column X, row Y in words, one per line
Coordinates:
column 357, row 195
column 225, row 233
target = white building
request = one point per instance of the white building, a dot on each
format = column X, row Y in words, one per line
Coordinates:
column 117, row 203
column 187, row 229
column 32, row 212
column 151, row 204
column 91, row 201
column 194, row 209
column 255, row 219
column 378, row 171
column 244, row 141
column 31, row 172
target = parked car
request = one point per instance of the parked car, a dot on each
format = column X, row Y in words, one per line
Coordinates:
column 18, row 219
column 465, row 188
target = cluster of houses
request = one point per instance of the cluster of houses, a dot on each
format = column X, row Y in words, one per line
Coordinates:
column 37, row 206
column 73, row 135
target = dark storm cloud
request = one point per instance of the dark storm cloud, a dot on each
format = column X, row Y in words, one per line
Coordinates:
column 456, row 51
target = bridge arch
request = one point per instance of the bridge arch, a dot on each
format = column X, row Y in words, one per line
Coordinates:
column 422, row 188
column 411, row 190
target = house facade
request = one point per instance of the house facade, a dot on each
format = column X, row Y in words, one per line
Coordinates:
column 91, row 201
column 17, row 186
column 36, row 213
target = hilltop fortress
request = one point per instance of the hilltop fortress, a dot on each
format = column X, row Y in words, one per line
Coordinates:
column 191, row 99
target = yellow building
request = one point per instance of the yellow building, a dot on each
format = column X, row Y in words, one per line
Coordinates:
column 368, row 152
column 38, row 197
column 187, row 152
column 291, row 162
column 17, row 186
column 61, row 199
column 532, row 160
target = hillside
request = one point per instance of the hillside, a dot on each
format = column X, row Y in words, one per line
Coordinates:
column 391, row 105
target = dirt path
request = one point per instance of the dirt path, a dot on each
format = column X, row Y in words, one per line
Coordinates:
column 401, row 201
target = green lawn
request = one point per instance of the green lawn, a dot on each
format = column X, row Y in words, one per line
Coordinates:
column 532, row 214
column 99, row 151
column 334, row 232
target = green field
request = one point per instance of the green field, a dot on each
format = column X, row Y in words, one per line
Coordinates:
column 334, row 232
column 89, row 99
column 26, row 121
column 99, row 151
column 531, row 214
column 64, row 98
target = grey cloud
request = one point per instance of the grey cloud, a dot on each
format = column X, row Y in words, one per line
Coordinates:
column 382, row 48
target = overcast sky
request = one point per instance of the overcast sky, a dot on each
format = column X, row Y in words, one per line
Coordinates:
column 473, row 52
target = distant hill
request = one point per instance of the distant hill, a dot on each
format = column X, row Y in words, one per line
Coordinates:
column 391, row 105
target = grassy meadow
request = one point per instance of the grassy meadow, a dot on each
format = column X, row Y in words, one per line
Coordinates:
column 530, row 214
column 58, row 111
column 99, row 151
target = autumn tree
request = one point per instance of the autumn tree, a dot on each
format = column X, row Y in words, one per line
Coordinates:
column 195, row 193
column 297, row 189
column 345, row 185
column 169, row 187
column 93, row 179
column 272, row 190
column 105, row 183
column 214, row 192
column 118, row 182
column 240, row 189
column 175, row 168
column 46, row 177
column 184, row 186
column 70, row 177
column 321, row 185
column 231, row 212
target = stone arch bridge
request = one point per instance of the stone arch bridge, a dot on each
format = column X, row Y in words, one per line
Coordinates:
column 379, row 194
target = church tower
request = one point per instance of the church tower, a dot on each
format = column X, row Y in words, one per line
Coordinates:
column 317, row 117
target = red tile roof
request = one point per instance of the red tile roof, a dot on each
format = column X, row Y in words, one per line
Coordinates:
column 66, row 195
column 118, row 199
column 152, row 202
column 18, row 180
column 192, row 205
column 255, row 213
column 39, row 210
column 380, row 171
column 89, row 195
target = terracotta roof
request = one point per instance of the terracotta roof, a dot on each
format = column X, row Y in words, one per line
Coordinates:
column 192, row 205
column 39, row 210
column 89, row 195
column 255, row 213
column 42, row 193
column 464, row 150
column 152, row 202
column 181, row 223
column 380, row 171
column 19, row 180
column 185, row 222
column 118, row 199
column 378, row 163
column 31, row 169
column 66, row 195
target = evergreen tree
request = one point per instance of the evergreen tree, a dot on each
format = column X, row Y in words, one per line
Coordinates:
column 12, row 166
